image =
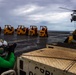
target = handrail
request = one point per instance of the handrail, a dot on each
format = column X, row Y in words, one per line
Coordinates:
column 9, row 72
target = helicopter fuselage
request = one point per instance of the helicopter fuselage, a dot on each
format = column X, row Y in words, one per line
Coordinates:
column 73, row 17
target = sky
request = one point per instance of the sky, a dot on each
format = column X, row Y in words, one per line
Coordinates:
column 37, row 12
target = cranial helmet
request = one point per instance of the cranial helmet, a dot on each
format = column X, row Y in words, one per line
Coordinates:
column 2, row 44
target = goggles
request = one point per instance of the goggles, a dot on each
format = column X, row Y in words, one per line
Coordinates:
column 3, row 42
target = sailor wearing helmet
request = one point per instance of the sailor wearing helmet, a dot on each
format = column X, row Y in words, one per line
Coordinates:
column 7, row 57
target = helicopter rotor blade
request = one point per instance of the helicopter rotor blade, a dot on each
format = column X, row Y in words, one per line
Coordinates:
column 66, row 9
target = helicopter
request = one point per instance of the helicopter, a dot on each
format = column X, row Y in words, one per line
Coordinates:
column 71, row 38
column 73, row 15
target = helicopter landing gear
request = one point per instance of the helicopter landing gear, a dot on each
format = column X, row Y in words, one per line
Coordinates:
column 71, row 20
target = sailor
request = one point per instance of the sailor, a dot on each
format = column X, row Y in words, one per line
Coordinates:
column 7, row 57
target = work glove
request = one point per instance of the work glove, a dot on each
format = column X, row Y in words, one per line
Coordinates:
column 12, row 47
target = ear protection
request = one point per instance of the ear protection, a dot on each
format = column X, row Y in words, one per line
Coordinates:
column 0, row 43
column 5, row 43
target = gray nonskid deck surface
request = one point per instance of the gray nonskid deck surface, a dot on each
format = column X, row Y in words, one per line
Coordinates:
column 27, row 43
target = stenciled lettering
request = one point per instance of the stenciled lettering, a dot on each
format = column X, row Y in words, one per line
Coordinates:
column 41, row 70
column 30, row 73
column 47, row 72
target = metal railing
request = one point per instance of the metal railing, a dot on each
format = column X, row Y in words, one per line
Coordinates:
column 11, row 72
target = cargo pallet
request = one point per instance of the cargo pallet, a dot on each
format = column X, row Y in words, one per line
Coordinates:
column 52, row 60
